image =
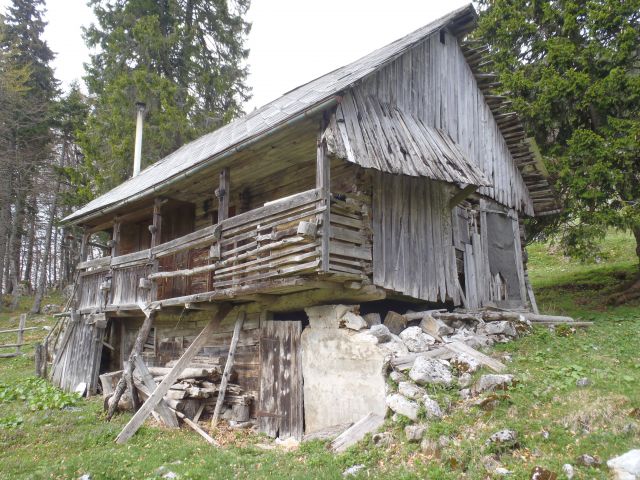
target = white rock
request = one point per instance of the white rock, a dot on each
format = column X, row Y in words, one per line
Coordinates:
column 567, row 468
column 395, row 346
column 414, row 433
column 365, row 337
column 416, row 340
column 435, row 327
column 328, row 316
column 504, row 438
column 502, row 471
column 626, row 466
column 465, row 363
column 403, row 406
column 411, row 390
column 397, row 376
column 288, row 444
column 352, row 321
column 427, row 370
column 493, row 382
column 351, row 471
column 465, row 380
column 431, row 407
column 500, row 328
column 381, row 332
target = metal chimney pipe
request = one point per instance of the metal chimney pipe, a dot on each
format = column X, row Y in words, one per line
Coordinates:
column 137, row 154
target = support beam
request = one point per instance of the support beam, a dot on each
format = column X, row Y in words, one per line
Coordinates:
column 323, row 183
column 156, row 227
column 115, row 238
column 222, row 193
column 84, row 245
column 227, row 368
column 461, row 195
column 138, row 419
column 143, row 333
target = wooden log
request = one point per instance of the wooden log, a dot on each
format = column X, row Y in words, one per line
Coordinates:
column 192, row 372
column 357, row 432
column 420, row 315
column 138, row 345
column 222, row 193
column 532, row 317
column 227, row 368
column 138, row 419
column 167, row 415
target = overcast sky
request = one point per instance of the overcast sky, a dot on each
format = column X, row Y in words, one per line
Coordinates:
column 291, row 41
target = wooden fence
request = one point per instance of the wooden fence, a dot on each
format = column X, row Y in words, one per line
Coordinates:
column 20, row 337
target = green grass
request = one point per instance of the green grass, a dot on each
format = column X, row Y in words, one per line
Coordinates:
column 600, row 420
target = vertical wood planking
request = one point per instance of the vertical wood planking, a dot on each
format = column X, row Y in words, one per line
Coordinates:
column 323, row 183
column 223, row 193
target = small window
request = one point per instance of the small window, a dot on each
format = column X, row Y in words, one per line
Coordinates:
column 442, row 36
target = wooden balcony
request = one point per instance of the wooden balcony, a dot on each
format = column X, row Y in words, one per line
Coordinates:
column 276, row 248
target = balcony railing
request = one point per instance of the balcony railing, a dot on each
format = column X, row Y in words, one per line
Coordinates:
column 263, row 250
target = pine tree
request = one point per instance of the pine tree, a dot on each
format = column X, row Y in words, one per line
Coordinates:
column 572, row 69
column 183, row 58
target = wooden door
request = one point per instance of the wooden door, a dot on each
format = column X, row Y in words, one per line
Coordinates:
column 280, row 410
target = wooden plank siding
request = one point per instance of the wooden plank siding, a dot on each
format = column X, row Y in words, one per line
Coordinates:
column 413, row 251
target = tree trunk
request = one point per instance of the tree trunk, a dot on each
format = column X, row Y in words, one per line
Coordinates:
column 5, row 221
column 14, row 250
column 42, row 283
column 31, row 236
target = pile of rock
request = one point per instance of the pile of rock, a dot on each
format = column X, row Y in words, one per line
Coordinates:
column 427, row 348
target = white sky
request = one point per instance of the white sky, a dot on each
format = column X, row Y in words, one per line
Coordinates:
column 291, row 41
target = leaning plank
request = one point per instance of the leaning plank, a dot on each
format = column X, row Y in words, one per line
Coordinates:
column 354, row 434
column 227, row 368
column 166, row 414
column 405, row 362
column 492, row 363
column 197, row 428
column 138, row 419
column 143, row 333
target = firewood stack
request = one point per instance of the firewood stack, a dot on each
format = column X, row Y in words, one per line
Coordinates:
column 194, row 394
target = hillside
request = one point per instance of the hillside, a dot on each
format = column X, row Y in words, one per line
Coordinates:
column 556, row 420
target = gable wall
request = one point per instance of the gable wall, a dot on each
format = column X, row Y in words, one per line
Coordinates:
column 434, row 82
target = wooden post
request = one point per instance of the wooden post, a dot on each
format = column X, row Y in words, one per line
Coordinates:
column 143, row 333
column 115, row 238
column 167, row 415
column 156, row 226
column 323, row 183
column 227, row 368
column 84, row 245
column 23, row 321
column 138, row 419
column 223, row 195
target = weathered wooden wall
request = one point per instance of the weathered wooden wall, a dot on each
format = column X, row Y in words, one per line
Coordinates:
column 413, row 250
column 434, row 82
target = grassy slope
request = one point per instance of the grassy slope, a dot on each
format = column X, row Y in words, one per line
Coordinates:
column 68, row 443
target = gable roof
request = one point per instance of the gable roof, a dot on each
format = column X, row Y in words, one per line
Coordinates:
column 294, row 104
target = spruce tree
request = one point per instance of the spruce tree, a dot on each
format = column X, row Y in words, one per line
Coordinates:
column 572, row 69
column 183, row 58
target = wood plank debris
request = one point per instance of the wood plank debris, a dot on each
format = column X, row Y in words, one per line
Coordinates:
column 166, row 414
column 138, row 419
column 355, row 433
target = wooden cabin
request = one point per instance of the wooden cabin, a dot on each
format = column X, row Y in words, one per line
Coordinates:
column 398, row 179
